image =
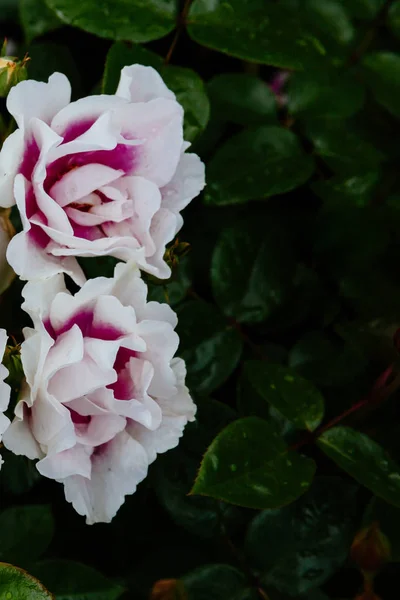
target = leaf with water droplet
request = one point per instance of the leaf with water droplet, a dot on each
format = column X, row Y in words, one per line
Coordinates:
column 266, row 474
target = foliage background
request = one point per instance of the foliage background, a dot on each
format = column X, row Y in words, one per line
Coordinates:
column 288, row 304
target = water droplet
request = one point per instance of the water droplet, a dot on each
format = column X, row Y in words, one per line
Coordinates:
column 214, row 461
column 272, row 386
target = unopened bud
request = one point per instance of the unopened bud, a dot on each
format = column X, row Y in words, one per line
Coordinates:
column 12, row 71
column 370, row 549
column 168, row 589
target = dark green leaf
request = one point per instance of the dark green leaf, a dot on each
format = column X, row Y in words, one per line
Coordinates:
column 25, row 533
column 254, row 30
column 311, row 537
column 331, row 19
column 242, row 98
column 16, row 584
column 47, row 57
column 382, row 74
column 363, row 9
column 215, row 582
column 296, row 398
column 328, row 92
column 388, row 517
column 37, row 18
column 185, row 83
column 363, row 459
column 394, row 18
column 208, row 344
column 18, row 474
column 342, row 147
column 257, row 164
column 248, row 464
column 190, row 92
column 252, row 270
column 134, row 21
column 173, row 291
column 348, row 190
column 71, row 580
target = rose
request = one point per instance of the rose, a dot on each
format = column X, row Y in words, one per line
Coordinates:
column 105, row 175
column 103, row 393
column 4, row 388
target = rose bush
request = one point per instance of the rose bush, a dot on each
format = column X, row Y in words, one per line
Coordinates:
column 105, row 175
column 103, row 394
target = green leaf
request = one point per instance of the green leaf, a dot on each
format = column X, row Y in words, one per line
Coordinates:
column 18, row 474
column 133, row 21
column 252, row 270
column 311, row 537
column 242, row 98
column 71, row 580
column 215, row 582
column 185, row 83
column 248, row 464
column 257, row 164
column 254, row 30
column 25, row 533
column 37, row 18
column 328, row 92
column 348, row 190
column 382, row 74
column 394, row 18
column 295, row 397
column 343, row 148
column 16, row 584
column 210, row 347
column 175, row 289
column 190, row 92
column 331, row 19
column 363, row 459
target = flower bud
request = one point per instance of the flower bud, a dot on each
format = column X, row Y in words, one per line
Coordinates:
column 370, row 549
column 12, row 71
column 6, row 233
column 168, row 589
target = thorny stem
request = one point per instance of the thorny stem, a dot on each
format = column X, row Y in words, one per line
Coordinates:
column 379, row 392
column 180, row 27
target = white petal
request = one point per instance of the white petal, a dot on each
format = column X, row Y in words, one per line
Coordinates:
column 186, row 184
column 116, row 471
column 141, row 84
column 31, row 99
column 74, row 461
column 10, row 159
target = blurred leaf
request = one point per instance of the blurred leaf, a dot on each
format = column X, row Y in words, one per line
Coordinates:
column 248, row 464
column 71, row 580
column 215, row 582
column 329, row 92
column 382, row 74
column 257, row 163
column 363, row 459
column 252, row 270
column 210, row 347
column 363, row 9
column 254, row 30
column 388, row 517
column 18, row 474
column 16, row 584
column 190, row 92
column 121, row 55
column 296, row 398
column 37, row 18
column 185, row 83
column 242, row 98
column 168, row 589
column 348, row 190
column 136, row 21
column 9, row 10
column 311, row 537
column 342, row 147
column 331, row 19
column 25, row 533
column 327, row 361
column 176, row 471
column 47, row 57
column 394, row 18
